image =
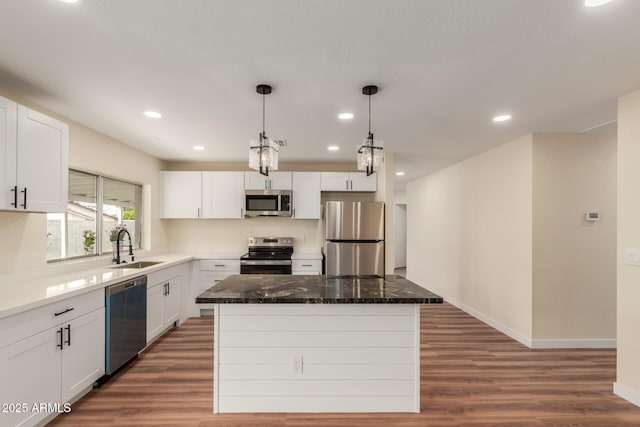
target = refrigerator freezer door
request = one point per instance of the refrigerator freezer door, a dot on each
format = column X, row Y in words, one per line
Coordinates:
column 354, row 220
column 355, row 259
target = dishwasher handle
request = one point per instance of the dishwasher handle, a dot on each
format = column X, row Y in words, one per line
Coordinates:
column 124, row 286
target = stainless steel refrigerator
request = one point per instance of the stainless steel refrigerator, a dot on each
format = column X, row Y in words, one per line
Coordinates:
column 354, row 238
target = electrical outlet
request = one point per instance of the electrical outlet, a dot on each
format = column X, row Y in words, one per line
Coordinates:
column 301, row 238
column 632, row 256
column 296, row 364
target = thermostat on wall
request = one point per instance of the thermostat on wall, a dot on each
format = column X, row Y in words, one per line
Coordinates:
column 592, row 216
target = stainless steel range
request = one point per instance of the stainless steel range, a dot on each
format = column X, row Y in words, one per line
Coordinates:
column 267, row 255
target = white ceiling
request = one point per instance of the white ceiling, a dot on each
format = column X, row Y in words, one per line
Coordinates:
column 444, row 68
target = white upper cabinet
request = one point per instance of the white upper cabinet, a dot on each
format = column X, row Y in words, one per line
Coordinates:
column 182, row 194
column 275, row 181
column 222, row 194
column 348, row 181
column 306, row 195
column 361, row 182
column 8, row 140
column 34, row 150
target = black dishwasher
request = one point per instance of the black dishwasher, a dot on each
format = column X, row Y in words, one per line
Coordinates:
column 126, row 322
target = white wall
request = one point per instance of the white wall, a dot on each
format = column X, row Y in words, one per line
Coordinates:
column 229, row 236
column 89, row 151
column 503, row 236
column 470, row 234
column 574, row 266
column 400, row 234
column 628, row 299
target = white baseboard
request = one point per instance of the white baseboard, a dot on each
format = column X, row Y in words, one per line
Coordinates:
column 535, row 343
column 574, row 343
column 493, row 323
column 626, row 393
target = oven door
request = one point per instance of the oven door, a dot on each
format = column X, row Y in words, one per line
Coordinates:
column 248, row 266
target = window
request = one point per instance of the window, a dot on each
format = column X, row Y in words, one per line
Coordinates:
column 97, row 206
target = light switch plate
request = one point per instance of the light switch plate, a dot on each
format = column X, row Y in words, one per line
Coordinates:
column 632, row 256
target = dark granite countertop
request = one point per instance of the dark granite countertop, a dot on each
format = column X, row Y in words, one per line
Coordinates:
column 294, row 289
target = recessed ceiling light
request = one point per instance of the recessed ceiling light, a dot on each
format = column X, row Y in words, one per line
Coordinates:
column 345, row 116
column 198, row 147
column 333, row 148
column 152, row 114
column 70, row 1
column 502, row 118
column 595, row 3
column 400, row 173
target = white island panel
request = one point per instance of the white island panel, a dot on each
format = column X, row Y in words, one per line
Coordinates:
column 317, row 358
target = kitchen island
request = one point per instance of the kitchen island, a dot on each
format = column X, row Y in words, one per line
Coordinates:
column 286, row 343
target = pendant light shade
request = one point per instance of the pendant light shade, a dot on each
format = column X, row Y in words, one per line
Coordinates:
column 370, row 154
column 263, row 153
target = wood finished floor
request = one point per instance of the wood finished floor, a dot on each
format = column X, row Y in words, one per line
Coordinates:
column 472, row 376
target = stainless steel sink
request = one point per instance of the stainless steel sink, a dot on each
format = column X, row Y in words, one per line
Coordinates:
column 139, row 264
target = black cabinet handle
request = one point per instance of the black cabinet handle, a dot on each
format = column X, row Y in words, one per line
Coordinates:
column 15, row 196
column 24, row 205
column 60, row 345
column 168, row 288
column 68, row 328
column 306, row 265
column 63, row 312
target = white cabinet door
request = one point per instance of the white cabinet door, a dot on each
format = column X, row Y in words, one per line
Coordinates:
column 275, row 181
column 30, row 374
column 42, row 162
column 306, row 195
column 8, row 119
column 334, row 181
column 280, row 181
column 83, row 353
column 348, row 181
column 361, row 182
column 171, row 302
column 155, row 325
column 182, row 194
column 223, row 194
column 34, row 151
column 255, row 181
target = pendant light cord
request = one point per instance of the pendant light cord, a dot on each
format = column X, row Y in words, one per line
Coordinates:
column 369, row 114
column 263, row 113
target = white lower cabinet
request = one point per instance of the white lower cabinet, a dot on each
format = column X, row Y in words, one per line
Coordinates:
column 83, row 355
column 44, row 370
column 306, row 266
column 210, row 272
column 163, row 299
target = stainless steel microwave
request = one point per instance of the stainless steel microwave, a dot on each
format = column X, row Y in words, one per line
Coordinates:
column 267, row 203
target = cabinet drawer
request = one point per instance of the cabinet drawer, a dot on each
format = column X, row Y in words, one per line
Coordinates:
column 31, row 322
column 310, row 265
column 230, row 265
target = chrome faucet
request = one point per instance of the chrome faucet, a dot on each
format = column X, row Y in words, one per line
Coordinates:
column 117, row 259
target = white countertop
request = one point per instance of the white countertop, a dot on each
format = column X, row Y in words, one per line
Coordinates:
column 21, row 296
column 24, row 292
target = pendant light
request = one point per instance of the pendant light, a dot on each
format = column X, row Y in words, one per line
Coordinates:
column 263, row 154
column 370, row 154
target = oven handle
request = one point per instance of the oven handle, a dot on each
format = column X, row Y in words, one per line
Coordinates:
column 265, row 262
